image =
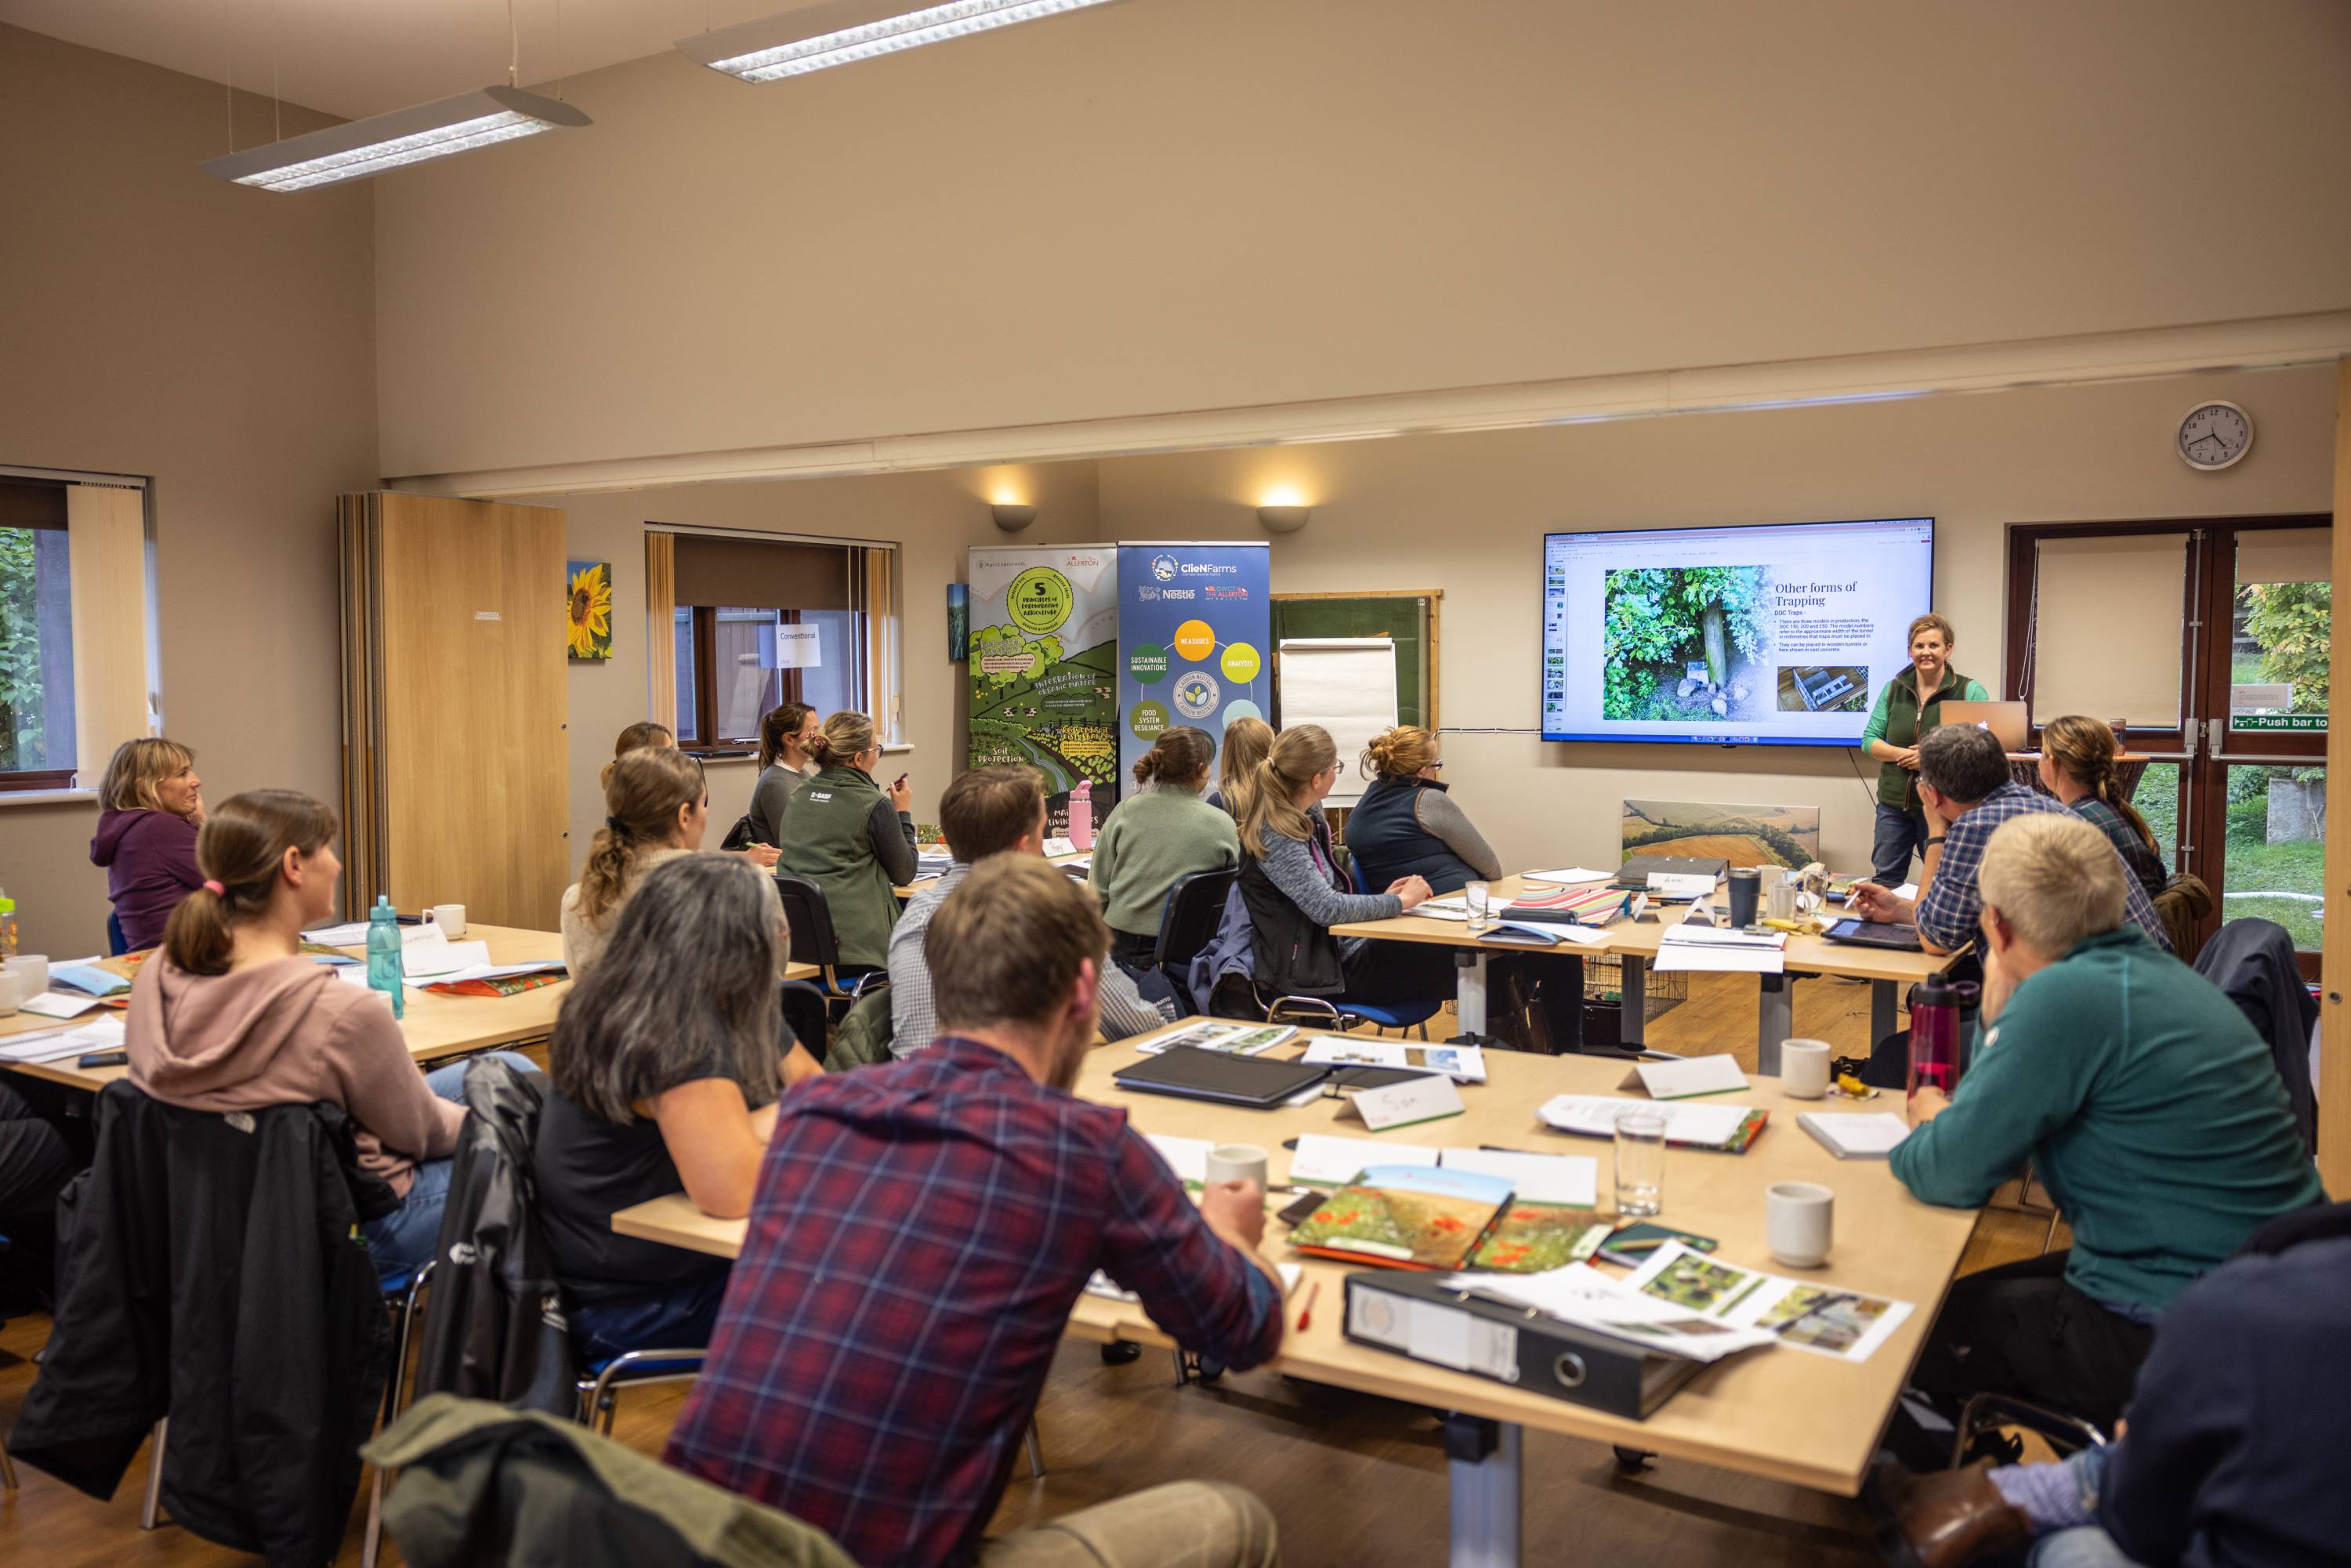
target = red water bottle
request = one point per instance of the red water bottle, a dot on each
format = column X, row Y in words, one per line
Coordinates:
column 1934, row 1043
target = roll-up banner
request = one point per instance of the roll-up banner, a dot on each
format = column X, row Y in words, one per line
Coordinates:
column 1193, row 623
column 1044, row 642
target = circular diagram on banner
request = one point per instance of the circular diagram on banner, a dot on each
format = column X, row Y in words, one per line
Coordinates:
column 1197, row 694
column 1195, row 641
column 1241, row 663
column 1039, row 600
column 1147, row 720
column 1241, row 709
column 1147, row 663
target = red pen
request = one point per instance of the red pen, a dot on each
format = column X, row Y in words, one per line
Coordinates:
column 1306, row 1312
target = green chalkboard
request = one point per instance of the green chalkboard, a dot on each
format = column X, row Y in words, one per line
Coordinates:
column 1410, row 618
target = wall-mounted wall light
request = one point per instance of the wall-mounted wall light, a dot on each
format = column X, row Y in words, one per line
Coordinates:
column 1283, row 512
column 1011, row 518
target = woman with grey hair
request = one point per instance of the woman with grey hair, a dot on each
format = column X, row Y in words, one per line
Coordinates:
column 666, row 1068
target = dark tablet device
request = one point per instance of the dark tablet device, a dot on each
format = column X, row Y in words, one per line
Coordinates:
column 1874, row 934
column 1191, row 1073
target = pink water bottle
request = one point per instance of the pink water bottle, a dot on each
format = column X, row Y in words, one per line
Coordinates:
column 1082, row 814
column 1935, row 1044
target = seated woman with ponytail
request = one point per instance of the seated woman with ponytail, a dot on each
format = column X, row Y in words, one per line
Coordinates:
column 853, row 840
column 1247, row 740
column 1158, row 836
column 230, row 1016
column 2077, row 765
column 1295, row 892
column 655, row 809
column 665, row 1072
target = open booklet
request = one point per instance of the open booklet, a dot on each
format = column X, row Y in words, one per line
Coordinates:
column 1728, row 1129
column 1822, row 1319
column 1582, row 1295
column 1322, row 1160
column 1462, row 1063
column 1232, row 1039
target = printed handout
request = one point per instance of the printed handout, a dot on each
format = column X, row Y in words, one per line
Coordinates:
column 1462, row 1063
column 1819, row 1318
column 1232, row 1039
column 1582, row 1295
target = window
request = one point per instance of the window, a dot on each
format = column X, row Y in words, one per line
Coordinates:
column 758, row 622
column 36, row 663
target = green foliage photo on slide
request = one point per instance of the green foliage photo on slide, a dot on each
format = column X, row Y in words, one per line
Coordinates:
column 1684, row 642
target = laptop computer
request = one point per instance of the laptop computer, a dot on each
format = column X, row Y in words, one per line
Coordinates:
column 2007, row 721
column 1640, row 868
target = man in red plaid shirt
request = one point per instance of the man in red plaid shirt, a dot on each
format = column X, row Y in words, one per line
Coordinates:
column 921, row 1231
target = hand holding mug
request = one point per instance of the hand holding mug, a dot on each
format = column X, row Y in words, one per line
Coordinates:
column 1236, row 1211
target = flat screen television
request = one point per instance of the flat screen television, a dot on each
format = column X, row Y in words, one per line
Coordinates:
column 1761, row 634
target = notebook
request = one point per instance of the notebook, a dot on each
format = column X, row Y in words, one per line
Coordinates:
column 1191, row 1073
column 1855, row 1134
column 1726, row 1129
column 1406, row 1216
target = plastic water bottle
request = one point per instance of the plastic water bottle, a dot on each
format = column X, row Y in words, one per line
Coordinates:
column 1082, row 815
column 383, row 953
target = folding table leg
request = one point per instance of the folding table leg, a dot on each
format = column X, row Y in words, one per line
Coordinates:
column 1469, row 990
column 1633, row 1011
column 1775, row 1020
column 1883, row 995
column 1484, row 1459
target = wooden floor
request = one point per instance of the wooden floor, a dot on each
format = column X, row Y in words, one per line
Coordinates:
column 1356, row 1482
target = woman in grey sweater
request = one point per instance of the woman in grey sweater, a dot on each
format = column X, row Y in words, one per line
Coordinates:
column 784, row 764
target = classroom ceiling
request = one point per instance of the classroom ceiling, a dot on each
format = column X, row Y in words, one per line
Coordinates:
column 355, row 58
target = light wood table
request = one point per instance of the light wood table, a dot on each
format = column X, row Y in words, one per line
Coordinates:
column 1784, row 1413
column 436, row 1026
column 1634, row 944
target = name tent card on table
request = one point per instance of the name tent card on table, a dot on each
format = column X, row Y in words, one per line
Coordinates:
column 1402, row 1104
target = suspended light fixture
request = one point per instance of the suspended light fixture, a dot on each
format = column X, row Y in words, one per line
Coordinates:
column 842, row 32
column 361, row 148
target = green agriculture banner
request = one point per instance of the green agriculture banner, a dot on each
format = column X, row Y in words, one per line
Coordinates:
column 1044, row 666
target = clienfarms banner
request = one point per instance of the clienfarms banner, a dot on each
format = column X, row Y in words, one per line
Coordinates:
column 1192, row 626
column 1044, row 639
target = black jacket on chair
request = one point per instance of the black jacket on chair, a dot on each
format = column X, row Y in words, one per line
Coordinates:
column 495, row 1327
column 2253, row 961
column 209, row 1270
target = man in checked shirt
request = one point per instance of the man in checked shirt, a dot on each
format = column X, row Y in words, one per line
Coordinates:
column 921, row 1231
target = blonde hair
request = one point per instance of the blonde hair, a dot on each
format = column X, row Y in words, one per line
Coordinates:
column 1268, row 800
column 240, row 849
column 2083, row 750
column 844, row 737
column 642, row 792
column 136, row 768
column 2054, row 879
column 1401, row 752
column 1932, row 622
column 642, row 736
column 1247, row 740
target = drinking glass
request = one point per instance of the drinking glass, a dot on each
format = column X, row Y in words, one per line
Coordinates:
column 1640, row 1161
column 1475, row 897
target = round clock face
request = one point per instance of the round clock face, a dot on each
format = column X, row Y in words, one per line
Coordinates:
column 2215, row 434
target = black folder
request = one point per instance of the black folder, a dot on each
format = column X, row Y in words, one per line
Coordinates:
column 1191, row 1073
column 1511, row 1343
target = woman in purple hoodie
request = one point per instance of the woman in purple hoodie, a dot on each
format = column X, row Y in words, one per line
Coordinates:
column 152, row 804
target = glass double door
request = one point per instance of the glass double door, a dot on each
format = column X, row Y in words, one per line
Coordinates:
column 2207, row 642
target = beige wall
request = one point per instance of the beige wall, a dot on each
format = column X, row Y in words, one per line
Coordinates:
column 158, row 321
column 1214, row 204
column 1466, row 513
column 934, row 518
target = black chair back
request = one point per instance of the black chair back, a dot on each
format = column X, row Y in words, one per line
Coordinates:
column 810, row 919
column 1188, row 920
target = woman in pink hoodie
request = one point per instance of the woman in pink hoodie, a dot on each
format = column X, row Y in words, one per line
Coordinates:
column 230, row 1016
column 151, row 806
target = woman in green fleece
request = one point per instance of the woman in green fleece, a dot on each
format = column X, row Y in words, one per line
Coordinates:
column 2150, row 1110
column 854, row 839
column 1908, row 706
column 1158, row 836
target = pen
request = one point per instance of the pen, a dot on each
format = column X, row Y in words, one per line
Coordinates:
column 1306, row 1312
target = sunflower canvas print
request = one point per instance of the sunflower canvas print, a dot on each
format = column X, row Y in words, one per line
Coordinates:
column 587, row 609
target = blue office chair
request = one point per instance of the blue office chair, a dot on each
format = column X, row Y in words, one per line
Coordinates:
column 117, row 944
column 1397, row 1015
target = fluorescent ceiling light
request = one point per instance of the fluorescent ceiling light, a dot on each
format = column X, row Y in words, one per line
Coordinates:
column 360, row 148
column 841, row 32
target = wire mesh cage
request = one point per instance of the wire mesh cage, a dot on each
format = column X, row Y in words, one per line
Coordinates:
column 1604, row 980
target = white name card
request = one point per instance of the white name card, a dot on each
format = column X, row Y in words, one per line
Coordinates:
column 1402, row 1104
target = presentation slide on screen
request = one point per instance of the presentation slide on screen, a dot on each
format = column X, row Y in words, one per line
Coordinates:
column 1771, row 635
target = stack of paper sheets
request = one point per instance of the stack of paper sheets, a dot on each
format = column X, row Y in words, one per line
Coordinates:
column 1715, row 950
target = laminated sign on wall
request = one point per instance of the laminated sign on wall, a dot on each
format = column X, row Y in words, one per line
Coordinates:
column 1346, row 684
column 1044, row 642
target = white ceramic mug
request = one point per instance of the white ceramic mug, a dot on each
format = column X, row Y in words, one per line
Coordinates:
column 1236, row 1162
column 1805, row 1068
column 450, row 918
column 12, row 991
column 1799, row 1218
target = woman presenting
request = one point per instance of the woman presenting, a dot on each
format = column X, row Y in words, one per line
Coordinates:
column 1909, row 706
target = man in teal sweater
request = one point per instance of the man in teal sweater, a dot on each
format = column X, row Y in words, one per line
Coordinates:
column 2150, row 1110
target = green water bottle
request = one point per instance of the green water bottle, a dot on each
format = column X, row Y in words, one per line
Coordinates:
column 383, row 953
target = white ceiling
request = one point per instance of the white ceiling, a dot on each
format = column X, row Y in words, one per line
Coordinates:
column 354, row 57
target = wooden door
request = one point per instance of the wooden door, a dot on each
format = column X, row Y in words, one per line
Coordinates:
column 462, row 745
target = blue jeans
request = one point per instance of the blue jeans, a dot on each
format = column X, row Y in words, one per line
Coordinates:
column 403, row 1239
column 1900, row 835
column 2062, row 1501
column 685, row 1318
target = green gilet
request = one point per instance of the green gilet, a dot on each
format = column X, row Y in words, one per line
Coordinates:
column 1906, row 724
column 830, row 844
